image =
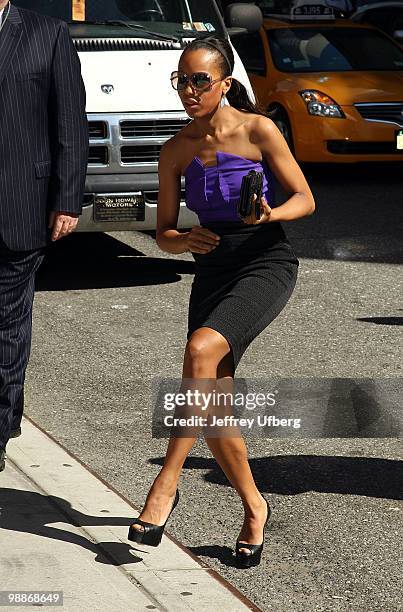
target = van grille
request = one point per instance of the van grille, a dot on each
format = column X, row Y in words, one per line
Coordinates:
column 138, row 129
column 97, row 129
column 135, row 155
column 98, row 156
column 123, row 44
column 131, row 142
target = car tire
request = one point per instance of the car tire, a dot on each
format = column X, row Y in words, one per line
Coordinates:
column 280, row 118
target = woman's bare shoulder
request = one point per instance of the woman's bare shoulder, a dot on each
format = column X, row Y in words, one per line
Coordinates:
column 173, row 149
column 261, row 128
column 170, row 154
column 253, row 126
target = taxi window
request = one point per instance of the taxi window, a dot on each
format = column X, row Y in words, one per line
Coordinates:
column 251, row 51
column 330, row 49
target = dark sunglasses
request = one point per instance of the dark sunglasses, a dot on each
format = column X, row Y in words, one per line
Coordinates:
column 200, row 81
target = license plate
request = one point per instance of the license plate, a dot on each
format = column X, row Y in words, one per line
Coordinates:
column 119, row 207
column 399, row 140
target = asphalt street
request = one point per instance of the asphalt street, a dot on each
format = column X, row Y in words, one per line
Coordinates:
column 110, row 315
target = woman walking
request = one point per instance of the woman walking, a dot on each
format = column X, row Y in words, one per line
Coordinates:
column 245, row 268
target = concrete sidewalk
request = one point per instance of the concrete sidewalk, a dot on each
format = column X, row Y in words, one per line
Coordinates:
column 62, row 528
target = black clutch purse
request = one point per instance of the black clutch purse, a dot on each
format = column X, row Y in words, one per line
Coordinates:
column 252, row 183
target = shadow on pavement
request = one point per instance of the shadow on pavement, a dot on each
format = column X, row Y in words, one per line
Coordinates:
column 382, row 320
column 294, row 474
column 31, row 512
column 98, row 261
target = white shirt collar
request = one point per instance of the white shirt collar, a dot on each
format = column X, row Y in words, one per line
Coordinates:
column 2, row 11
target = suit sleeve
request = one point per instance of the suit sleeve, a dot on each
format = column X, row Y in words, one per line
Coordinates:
column 68, row 127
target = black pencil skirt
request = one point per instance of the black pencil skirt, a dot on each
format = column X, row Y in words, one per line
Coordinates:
column 243, row 284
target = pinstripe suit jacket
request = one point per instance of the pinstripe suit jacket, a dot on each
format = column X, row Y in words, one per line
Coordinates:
column 43, row 127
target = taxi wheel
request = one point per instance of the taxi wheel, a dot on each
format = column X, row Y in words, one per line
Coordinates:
column 280, row 118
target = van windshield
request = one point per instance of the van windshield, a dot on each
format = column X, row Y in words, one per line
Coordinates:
column 179, row 17
column 333, row 49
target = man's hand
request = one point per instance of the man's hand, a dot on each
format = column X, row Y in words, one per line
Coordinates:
column 63, row 223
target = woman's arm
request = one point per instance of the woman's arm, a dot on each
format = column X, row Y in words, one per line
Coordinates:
column 169, row 239
column 198, row 239
column 266, row 135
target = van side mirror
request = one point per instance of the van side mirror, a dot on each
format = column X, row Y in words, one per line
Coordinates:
column 242, row 18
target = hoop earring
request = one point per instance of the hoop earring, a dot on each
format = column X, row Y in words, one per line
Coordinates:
column 224, row 101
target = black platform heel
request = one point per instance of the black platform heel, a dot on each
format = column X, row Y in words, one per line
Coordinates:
column 151, row 534
column 251, row 559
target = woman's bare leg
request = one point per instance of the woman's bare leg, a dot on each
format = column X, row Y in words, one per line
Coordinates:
column 204, row 350
column 207, row 355
column 231, row 455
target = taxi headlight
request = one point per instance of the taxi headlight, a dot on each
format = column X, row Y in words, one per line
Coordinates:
column 318, row 103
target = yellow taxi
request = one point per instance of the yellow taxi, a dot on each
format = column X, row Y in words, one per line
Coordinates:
column 335, row 87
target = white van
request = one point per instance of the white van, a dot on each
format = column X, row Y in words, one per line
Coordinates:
column 128, row 49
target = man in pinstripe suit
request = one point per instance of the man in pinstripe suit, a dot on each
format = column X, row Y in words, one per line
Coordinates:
column 43, row 162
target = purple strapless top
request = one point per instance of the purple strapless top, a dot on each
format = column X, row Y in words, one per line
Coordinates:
column 212, row 192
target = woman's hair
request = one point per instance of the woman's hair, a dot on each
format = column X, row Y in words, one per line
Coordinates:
column 237, row 94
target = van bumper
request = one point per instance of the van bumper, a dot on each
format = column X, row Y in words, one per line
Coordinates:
column 127, row 183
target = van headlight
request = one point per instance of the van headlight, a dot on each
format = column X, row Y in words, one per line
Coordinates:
column 318, row 103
